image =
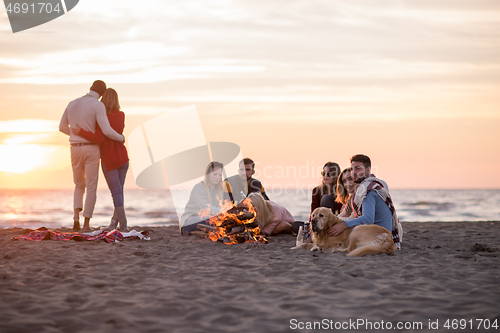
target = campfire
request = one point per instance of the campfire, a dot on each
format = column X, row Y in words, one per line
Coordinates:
column 235, row 225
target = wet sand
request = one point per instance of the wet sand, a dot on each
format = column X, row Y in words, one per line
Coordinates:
column 187, row 284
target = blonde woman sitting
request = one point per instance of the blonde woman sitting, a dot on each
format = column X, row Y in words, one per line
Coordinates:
column 273, row 219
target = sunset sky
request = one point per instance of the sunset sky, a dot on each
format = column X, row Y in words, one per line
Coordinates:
column 413, row 84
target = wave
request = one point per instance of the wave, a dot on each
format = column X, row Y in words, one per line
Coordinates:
column 35, row 208
column 434, row 205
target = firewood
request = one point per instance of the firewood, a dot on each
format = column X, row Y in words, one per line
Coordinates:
column 224, row 240
column 235, row 230
column 252, row 225
column 246, row 216
column 228, row 222
column 241, row 239
column 205, row 227
column 236, row 210
column 232, row 224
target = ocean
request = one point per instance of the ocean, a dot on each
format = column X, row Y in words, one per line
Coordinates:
column 53, row 208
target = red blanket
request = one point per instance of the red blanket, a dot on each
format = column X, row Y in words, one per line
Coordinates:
column 46, row 234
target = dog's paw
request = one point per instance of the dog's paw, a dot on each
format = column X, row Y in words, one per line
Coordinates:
column 316, row 248
column 341, row 249
column 329, row 250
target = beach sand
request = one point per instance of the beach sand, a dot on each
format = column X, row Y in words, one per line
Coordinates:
column 187, row 284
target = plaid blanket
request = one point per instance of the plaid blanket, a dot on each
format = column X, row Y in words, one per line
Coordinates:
column 46, row 234
column 372, row 183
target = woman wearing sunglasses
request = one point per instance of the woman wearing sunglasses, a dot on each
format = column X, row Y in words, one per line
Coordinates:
column 325, row 194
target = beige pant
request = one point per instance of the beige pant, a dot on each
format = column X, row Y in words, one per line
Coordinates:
column 85, row 163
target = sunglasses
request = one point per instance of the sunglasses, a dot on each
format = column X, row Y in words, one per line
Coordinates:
column 328, row 174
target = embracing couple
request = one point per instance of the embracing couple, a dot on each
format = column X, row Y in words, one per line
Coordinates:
column 366, row 200
column 356, row 196
column 95, row 130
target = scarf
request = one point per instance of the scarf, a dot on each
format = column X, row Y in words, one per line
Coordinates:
column 372, row 183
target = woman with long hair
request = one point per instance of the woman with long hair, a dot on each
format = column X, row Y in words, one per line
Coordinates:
column 272, row 218
column 205, row 196
column 114, row 157
column 345, row 189
column 324, row 195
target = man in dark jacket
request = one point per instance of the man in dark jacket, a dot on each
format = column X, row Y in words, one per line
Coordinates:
column 240, row 186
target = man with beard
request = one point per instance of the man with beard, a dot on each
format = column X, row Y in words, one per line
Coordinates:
column 371, row 203
column 238, row 187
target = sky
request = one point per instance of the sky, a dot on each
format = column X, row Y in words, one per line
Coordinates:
column 295, row 83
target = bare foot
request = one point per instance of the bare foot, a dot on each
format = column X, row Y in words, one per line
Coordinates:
column 86, row 229
column 110, row 227
column 123, row 227
column 76, row 225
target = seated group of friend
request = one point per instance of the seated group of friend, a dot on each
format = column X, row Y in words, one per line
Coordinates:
column 354, row 194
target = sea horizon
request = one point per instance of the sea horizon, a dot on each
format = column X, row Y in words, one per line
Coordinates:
column 292, row 188
column 52, row 208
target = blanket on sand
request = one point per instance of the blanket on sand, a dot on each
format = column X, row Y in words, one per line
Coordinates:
column 109, row 237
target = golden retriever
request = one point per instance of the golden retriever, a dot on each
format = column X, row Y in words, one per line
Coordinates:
column 357, row 241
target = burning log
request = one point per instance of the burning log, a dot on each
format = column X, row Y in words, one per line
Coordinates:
column 245, row 216
column 224, row 240
column 238, row 238
column 205, row 227
column 229, row 222
column 235, row 225
column 239, row 233
column 231, row 226
column 241, row 216
column 242, row 237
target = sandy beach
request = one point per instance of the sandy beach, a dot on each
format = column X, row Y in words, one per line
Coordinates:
column 445, row 271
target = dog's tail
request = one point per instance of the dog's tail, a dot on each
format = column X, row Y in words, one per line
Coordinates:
column 381, row 244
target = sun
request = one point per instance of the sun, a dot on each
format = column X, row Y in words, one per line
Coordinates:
column 22, row 158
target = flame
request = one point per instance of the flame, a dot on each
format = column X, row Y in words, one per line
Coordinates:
column 221, row 220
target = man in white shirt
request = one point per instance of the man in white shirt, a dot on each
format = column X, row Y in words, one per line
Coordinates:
column 86, row 112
